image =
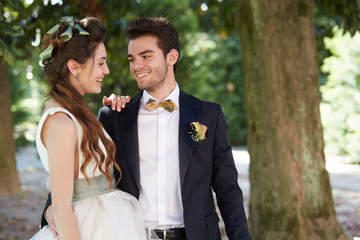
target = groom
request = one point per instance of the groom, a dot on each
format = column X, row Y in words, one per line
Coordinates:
column 171, row 167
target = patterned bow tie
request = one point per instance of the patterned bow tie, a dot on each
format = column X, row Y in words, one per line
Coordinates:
column 152, row 104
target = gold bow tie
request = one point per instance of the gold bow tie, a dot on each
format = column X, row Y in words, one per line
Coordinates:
column 152, row 104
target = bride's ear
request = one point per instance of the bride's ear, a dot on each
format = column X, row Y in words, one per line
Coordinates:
column 73, row 66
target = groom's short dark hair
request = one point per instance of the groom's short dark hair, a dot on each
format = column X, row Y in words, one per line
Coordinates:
column 161, row 28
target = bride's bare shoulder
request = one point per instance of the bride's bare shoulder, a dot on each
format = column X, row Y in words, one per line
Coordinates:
column 58, row 121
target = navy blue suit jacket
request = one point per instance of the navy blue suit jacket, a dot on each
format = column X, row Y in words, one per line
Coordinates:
column 205, row 166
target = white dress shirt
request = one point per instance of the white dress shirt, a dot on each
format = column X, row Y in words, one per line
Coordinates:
column 160, row 195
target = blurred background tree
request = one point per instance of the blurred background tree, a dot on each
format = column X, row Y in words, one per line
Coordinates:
column 289, row 186
column 8, row 31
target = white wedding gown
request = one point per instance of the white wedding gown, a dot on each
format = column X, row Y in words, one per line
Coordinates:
column 100, row 214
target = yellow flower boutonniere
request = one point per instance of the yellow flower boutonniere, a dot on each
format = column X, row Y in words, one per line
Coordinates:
column 198, row 131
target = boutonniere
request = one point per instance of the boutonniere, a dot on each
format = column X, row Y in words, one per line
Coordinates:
column 198, row 131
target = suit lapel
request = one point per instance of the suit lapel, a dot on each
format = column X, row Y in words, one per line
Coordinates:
column 129, row 135
column 189, row 112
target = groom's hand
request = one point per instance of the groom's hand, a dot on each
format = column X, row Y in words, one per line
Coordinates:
column 117, row 102
column 49, row 216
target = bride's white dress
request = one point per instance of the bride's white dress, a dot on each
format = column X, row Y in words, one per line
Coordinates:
column 100, row 214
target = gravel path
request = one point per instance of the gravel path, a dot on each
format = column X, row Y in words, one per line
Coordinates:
column 20, row 213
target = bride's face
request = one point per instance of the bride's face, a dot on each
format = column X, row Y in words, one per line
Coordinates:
column 91, row 75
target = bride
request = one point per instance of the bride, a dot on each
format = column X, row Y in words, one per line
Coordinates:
column 74, row 148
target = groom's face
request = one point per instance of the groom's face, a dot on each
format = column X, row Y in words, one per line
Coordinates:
column 148, row 64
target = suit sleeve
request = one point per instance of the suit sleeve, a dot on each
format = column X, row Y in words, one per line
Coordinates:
column 106, row 119
column 43, row 219
column 225, row 184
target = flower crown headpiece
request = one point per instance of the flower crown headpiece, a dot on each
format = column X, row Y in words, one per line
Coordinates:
column 45, row 56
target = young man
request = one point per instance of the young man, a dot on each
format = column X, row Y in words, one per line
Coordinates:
column 170, row 167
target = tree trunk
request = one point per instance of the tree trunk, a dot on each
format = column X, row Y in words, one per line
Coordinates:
column 290, row 189
column 8, row 175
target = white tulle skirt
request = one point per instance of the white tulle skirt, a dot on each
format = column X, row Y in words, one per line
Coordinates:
column 111, row 216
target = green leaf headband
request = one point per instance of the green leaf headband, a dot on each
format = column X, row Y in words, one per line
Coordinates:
column 45, row 56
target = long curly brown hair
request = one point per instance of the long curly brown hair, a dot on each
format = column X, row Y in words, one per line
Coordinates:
column 79, row 48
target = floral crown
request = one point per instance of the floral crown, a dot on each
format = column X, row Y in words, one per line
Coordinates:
column 45, row 56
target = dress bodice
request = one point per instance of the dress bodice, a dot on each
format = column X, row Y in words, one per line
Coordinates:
column 43, row 151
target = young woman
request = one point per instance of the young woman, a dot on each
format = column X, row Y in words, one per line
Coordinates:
column 73, row 146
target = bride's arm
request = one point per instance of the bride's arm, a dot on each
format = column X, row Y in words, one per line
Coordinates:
column 59, row 136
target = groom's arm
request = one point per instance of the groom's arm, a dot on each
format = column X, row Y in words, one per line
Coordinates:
column 43, row 219
column 105, row 116
column 47, row 218
column 225, row 183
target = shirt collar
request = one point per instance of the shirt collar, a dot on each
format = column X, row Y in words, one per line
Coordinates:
column 174, row 96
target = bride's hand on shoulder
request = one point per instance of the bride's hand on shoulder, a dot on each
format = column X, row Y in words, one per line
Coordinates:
column 117, row 102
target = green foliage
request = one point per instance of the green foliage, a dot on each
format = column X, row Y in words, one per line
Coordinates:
column 212, row 71
column 340, row 108
column 27, row 95
column 219, row 15
column 329, row 13
column 10, row 32
column 9, row 27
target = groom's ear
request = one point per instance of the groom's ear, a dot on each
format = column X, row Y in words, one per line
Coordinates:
column 73, row 66
column 172, row 57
